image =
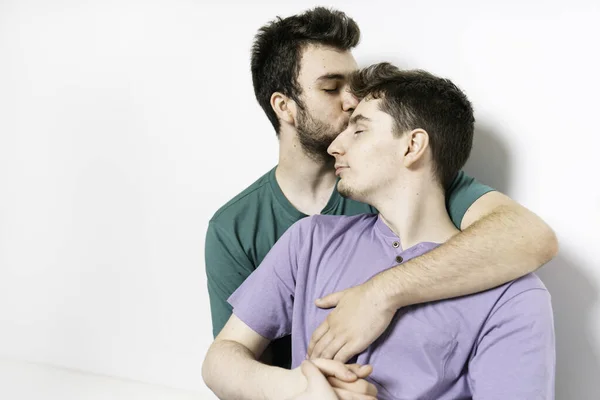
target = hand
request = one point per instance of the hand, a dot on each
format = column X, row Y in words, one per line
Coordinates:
column 360, row 316
column 332, row 380
column 318, row 387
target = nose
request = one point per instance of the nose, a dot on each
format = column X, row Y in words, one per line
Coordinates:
column 349, row 101
column 336, row 147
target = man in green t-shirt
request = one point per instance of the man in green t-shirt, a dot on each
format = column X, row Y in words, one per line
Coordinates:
column 300, row 67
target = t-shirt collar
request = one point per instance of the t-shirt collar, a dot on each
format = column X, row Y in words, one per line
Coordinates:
column 293, row 212
column 388, row 235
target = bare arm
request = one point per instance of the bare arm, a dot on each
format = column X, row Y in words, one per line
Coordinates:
column 501, row 241
column 232, row 372
column 231, row 369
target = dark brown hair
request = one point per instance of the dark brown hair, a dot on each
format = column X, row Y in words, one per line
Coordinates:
column 417, row 99
column 278, row 46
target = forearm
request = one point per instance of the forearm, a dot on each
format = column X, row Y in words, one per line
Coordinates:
column 502, row 246
column 232, row 372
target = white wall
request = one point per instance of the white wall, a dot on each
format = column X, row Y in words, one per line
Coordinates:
column 125, row 124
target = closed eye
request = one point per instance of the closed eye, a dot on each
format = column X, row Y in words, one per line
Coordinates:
column 334, row 90
column 357, row 132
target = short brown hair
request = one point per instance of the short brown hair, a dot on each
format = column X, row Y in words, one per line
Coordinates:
column 417, row 99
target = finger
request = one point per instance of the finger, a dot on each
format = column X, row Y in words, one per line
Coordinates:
column 329, row 301
column 314, row 376
column 344, row 394
column 345, row 353
column 312, row 372
column 362, row 371
column 335, row 369
column 321, row 345
column 333, row 348
column 359, row 386
column 316, row 336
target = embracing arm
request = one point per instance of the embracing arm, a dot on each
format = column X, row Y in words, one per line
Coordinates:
column 500, row 241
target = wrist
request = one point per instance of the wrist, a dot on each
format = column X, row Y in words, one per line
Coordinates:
column 290, row 383
column 387, row 291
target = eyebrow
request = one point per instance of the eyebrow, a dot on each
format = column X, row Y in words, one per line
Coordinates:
column 330, row 77
column 357, row 118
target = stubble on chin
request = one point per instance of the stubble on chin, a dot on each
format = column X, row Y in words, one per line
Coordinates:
column 345, row 190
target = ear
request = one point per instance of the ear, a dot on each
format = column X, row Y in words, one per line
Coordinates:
column 417, row 142
column 284, row 107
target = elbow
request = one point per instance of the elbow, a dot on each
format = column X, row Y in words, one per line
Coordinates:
column 551, row 247
column 539, row 243
column 206, row 368
column 547, row 245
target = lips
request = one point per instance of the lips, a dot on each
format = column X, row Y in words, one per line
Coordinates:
column 339, row 169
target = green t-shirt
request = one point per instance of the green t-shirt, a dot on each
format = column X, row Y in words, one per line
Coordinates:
column 242, row 232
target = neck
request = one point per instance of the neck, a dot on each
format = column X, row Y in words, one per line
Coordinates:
column 416, row 211
column 306, row 181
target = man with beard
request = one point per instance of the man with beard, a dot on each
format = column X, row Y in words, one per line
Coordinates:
column 406, row 141
column 300, row 67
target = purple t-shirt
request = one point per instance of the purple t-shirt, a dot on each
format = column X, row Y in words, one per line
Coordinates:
column 497, row 344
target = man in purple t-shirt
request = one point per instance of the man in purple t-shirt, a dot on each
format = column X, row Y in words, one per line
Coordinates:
column 407, row 139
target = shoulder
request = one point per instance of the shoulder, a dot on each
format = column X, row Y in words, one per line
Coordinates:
column 241, row 205
column 525, row 295
column 524, row 284
column 461, row 194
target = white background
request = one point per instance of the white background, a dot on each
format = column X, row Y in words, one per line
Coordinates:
column 125, row 124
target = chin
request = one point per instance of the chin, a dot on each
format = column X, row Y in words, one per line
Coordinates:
column 348, row 191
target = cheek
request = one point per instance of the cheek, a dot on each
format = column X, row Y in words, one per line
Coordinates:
column 371, row 158
column 327, row 105
column 320, row 111
column 367, row 162
column 380, row 161
column 329, row 113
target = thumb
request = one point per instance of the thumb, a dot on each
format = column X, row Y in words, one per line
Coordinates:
column 312, row 374
column 330, row 300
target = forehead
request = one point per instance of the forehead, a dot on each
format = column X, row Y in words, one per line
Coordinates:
column 318, row 61
column 369, row 107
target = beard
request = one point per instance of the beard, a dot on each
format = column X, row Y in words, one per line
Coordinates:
column 315, row 136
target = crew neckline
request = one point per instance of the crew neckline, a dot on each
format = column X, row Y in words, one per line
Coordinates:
column 292, row 211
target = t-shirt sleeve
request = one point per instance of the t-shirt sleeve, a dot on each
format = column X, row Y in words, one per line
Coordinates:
column 265, row 300
column 515, row 354
column 227, row 266
column 461, row 194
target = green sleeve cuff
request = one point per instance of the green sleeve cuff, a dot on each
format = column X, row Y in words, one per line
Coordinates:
column 461, row 194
